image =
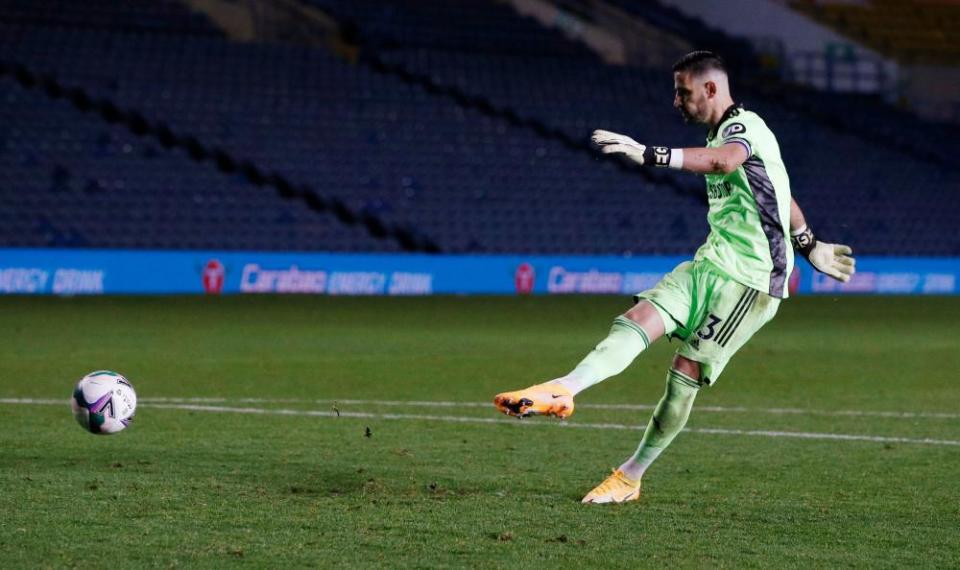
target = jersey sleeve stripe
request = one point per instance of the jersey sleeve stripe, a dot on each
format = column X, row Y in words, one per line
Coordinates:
column 744, row 142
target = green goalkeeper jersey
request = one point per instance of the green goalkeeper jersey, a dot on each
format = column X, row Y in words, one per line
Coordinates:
column 750, row 208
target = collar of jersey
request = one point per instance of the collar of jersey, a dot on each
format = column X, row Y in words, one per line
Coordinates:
column 732, row 111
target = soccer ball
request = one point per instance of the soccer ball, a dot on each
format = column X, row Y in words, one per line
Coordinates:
column 103, row 402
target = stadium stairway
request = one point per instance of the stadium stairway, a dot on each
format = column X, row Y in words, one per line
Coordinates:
column 536, row 68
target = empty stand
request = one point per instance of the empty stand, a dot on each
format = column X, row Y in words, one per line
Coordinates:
column 911, row 31
column 67, row 179
column 457, row 169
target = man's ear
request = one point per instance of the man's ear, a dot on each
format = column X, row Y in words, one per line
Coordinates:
column 711, row 89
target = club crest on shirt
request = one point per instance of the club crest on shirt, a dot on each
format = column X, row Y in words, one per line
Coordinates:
column 733, row 129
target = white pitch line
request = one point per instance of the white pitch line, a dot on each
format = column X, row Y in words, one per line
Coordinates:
column 469, row 420
column 41, row 401
column 628, row 407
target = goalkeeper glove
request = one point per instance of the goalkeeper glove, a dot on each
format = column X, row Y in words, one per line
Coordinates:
column 828, row 258
column 613, row 143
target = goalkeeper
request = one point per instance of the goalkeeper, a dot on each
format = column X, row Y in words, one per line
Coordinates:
column 715, row 303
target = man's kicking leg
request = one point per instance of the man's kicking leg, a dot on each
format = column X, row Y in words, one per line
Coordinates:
column 630, row 335
column 669, row 417
column 734, row 313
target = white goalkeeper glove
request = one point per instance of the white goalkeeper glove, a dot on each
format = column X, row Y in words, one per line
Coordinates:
column 613, row 143
column 827, row 258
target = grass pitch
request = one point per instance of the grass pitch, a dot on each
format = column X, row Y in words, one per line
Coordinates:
column 238, row 454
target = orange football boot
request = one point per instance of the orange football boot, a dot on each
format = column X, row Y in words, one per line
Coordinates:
column 541, row 400
column 616, row 488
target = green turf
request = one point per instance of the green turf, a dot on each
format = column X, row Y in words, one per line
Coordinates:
column 202, row 489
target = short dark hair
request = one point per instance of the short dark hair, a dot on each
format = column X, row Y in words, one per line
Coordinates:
column 697, row 62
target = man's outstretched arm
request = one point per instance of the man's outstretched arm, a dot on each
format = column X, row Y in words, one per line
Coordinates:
column 831, row 259
column 700, row 160
column 828, row 258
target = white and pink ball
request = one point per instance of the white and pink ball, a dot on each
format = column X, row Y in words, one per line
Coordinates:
column 104, row 402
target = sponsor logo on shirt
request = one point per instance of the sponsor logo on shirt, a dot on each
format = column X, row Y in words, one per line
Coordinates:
column 733, row 129
column 717, row 190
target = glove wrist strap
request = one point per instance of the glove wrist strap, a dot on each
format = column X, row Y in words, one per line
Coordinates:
column 662, row 157
column 803, row 240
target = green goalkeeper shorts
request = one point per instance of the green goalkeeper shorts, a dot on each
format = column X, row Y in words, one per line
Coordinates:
column 712, row 314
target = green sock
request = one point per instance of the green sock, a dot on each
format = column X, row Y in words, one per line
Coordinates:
column 668, row 420
column 611, row 357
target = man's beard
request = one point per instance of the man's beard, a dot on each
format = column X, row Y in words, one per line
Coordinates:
column 687, row 117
